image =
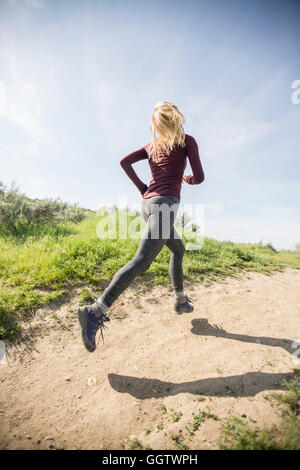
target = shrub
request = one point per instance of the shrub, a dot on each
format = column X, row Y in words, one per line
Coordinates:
column 17, row 212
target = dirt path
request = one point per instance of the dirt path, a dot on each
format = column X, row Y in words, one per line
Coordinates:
column 235, row 347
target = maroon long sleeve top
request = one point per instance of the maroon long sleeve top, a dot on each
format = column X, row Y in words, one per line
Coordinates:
column 167, row 172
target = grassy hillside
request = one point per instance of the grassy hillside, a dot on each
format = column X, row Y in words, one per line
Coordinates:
column 40, row 262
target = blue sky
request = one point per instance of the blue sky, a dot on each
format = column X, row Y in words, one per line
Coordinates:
column 79, row 80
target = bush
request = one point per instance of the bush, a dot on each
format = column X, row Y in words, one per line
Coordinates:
column 17, row 212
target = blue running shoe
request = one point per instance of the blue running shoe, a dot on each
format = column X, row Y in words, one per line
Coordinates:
column 183, row 305
column 90, row 324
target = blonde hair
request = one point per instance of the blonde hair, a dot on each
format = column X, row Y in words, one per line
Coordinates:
column 168, row 122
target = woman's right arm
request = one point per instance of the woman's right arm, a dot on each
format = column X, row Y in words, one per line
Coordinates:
column 194, row 159
column 126, row 164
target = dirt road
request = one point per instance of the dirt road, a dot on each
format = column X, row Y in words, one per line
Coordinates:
column 154, row 368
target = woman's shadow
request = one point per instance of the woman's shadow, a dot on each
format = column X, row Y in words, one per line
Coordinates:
column 243, row 385
column 201, row 327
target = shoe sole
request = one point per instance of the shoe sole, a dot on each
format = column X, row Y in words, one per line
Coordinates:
column 81, row 315
column 184, row 311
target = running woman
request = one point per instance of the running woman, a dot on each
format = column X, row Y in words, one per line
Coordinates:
column 167, row 155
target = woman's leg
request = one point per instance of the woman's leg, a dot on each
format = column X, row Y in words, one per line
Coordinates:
column 155, row 236
column 150, row 246
column 177, row 251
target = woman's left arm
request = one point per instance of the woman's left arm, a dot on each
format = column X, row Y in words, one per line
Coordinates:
column 193, row 155
column 126, row 164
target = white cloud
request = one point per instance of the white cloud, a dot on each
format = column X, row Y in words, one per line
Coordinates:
column 221, row 126
column 214, row 207
column 21, row 102
column 35, row 4
column 29, row 4
column 238, row 229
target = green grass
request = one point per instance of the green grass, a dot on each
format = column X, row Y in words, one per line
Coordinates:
column 44, row 262
column 178, row 443
column 175, row 415
column 86, row 297
column 239, row 435
column 198, row 419
column 135, row 445
column 163, row 407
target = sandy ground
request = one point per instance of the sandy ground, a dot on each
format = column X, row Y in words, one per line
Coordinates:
column 234, row 348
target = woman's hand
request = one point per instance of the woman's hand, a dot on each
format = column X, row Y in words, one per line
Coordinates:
column 185, row 178
column 144, row 189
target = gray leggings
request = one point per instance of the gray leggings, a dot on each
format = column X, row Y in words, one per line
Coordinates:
column 159, row 212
